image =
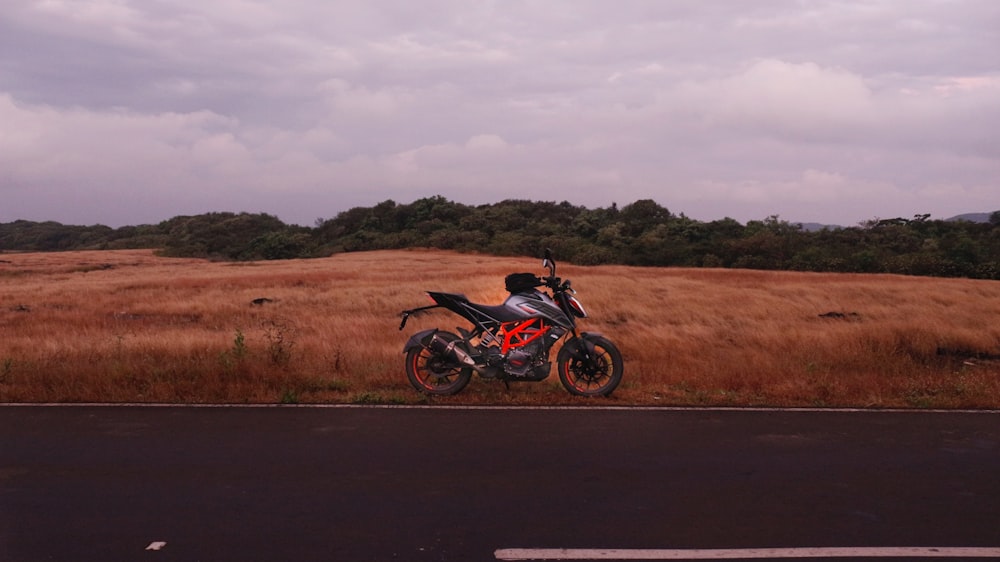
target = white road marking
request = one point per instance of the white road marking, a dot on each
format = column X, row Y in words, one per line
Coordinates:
column 743, row 553
column 156, row 545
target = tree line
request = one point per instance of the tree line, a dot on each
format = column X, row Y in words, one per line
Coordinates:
column 642, row 233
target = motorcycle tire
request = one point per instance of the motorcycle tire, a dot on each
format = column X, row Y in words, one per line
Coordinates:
column 590, row 366
column 435, row 373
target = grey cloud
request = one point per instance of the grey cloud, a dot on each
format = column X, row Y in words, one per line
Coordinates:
column 828, row 111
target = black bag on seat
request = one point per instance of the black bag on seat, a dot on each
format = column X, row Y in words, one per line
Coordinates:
column 520, row 282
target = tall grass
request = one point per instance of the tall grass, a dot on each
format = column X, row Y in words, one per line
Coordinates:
column 127, row 326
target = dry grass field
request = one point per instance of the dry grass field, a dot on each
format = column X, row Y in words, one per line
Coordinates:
column 128, row 326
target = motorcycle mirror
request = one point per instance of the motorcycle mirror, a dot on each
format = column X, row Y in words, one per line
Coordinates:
column 549, row 263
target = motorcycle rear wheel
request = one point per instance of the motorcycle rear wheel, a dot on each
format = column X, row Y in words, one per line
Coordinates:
column 590, row 368
column 435, row 373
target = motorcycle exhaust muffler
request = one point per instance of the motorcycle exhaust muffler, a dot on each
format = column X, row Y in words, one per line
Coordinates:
column 452, row 349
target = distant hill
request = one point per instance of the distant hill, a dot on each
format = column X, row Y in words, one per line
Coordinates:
column 972, row 217
column 967, row 217
column 816, row 227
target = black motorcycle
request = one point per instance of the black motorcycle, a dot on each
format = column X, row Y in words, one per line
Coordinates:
column 512, row 341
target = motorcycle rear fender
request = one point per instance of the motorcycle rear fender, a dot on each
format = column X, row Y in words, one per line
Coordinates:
column 417, row 339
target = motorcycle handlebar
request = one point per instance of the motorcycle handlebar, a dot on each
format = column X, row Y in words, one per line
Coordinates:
column 551, row 281
column 556, row 283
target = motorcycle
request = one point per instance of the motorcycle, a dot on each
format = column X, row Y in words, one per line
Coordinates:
column 513, row 341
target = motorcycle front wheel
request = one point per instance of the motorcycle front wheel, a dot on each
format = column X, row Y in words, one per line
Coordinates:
column 590, row 367
column 435, row 373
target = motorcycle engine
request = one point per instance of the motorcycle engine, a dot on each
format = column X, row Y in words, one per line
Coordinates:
column 520, row 362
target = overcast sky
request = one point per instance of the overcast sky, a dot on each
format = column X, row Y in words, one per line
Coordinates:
column 134, row 111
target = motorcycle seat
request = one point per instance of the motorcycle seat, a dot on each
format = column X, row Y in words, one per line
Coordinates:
column 501, row 312
column 459, row 297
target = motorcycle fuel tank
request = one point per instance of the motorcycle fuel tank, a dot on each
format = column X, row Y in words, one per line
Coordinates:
column 537, row 304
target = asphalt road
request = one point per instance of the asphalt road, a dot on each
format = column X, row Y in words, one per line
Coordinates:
column 296, row 483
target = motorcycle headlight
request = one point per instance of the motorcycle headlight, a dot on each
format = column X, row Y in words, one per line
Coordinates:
column 578, row 309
